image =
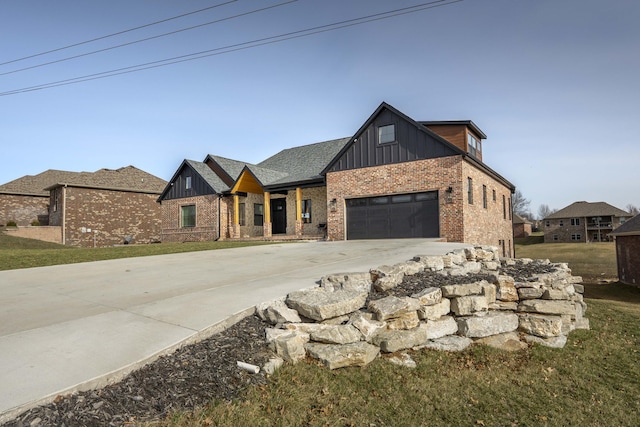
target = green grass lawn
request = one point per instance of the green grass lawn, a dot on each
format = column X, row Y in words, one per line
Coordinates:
column 16, row 252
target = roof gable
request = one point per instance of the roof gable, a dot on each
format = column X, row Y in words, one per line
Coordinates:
column 203, row 181
column 588, row 209
column 412, row 142
column 629, row 228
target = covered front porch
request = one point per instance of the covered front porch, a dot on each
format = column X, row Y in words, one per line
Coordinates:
column 296, row 213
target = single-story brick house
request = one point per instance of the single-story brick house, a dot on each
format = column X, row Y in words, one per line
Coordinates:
column 394, row 178
column 104, row 208
column 522, row 227
column 627, row 238
column 583, row 222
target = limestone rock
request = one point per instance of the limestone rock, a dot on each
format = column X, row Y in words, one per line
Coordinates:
column 487, row 253
column 410, row 268
column 318, row 304
column 386, row 271
column 448, row 343
column 404, row 360
column 336, row 320
column 489, row 291
column 433, row 312
column 360, row 282
column 336, row 334
column 508, row 341
column 429, row 296
column 554, row 342
column 406, row 321
column 365, row 323
column 583, row 323
column 547, row 307
column 273, row 365
column 491, row 265
column 391, row 341
column 540, row 325
column 391, row 307
column 530, row 293
column 506, row 289
column 290, row 347
column 492, row 323
column 446, row 325
column 383, row 284
column 465, row 306
column 272, row 333
column 504, row 306
column 558, row 294
column 277, row 312
column 339, row 356
column 430, row 262
column 452, row 291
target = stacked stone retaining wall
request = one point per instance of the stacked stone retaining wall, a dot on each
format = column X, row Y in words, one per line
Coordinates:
column 477, row 298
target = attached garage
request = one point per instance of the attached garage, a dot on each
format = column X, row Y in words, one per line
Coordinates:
column 393, row 216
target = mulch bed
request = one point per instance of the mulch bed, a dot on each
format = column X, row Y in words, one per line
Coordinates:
column 196, row 374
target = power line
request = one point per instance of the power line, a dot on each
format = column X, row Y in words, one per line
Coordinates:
column 148, row 38
column 239, row 46
column 117, row 33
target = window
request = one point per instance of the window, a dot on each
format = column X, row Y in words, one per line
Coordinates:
column 510, row 209
column 504, row 207
column 484, row 196
column 547, row 223
column 187, row 183
column 470, row 190
column 576, row 236
column 494, row 195
column 386, row 134
column 242, row 214
column 55, row 200
column 474, row 144
column 306, row 211
column 555, row 237
column 189, row 216
column 561, row 223
column 623, row 219
column 258, row 214
column 575, row 221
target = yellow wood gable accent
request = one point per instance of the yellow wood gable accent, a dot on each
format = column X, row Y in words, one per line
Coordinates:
column 247, row 183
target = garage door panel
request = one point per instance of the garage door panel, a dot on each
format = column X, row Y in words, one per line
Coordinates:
column 397, row 216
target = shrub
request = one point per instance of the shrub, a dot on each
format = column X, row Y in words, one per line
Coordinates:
column 35, row 223
column 11, row 224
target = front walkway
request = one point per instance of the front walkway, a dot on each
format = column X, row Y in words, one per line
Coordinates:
column 73, row 327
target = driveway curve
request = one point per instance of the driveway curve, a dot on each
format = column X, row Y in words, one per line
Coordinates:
column 79, row 326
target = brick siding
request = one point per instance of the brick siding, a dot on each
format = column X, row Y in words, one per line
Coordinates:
column 628, row 256
column 114, row 214
column 459, row 221
column 206, row 228
column 23, row 210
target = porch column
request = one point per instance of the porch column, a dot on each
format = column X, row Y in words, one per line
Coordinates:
column 266, row 225
column 299, row 224
column 235, row 229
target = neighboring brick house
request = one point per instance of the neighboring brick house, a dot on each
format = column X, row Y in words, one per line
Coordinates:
column 395, row 178
column 522, row 227
column 583, row 222
column 627, row 238
column 24, row 200
column 106, row 207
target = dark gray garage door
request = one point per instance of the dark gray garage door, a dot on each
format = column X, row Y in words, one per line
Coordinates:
column 390, row 217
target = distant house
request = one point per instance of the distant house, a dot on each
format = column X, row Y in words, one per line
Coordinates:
column 394, row 178
column 583, row 222
column 88, row 209
column 25, row 200
column 522, row 227
column 628, row 251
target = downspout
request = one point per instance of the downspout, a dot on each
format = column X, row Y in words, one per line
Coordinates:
column 64, row 216
column 219, row 217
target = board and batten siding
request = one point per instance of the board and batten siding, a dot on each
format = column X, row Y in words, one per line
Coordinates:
column 178, row 190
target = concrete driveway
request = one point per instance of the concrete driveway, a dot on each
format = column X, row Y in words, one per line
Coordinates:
column 80, row 326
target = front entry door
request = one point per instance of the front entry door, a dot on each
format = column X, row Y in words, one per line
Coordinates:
column 279, row 216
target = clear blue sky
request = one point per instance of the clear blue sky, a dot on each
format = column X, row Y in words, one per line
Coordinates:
column 553, row 83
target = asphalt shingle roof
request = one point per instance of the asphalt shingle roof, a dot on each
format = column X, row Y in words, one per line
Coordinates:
column 588, row 209
column 232, row 167
column 34, row 185
column 631, row 227
column 302, row 163
column 208, row 175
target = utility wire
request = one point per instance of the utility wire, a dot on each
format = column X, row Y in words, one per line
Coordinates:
column 148, row 38
column 240, row 46
column 117, row 34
